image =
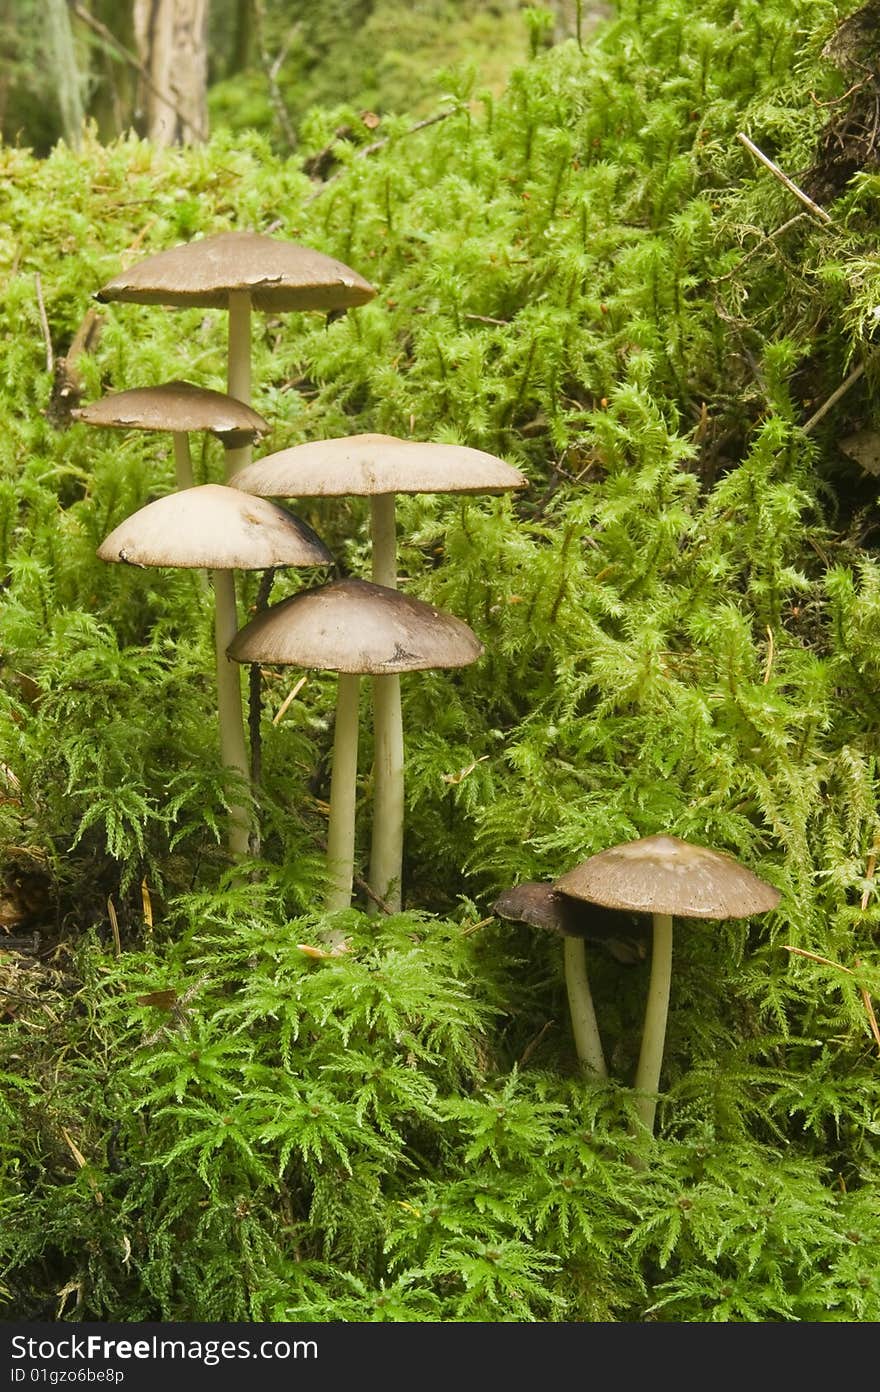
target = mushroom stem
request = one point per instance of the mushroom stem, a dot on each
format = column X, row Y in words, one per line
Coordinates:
column 183, row 469
column 383, row 534
column 386, row 854
column 580, row 1004
column 386, row 857
column 343, row 791
column 239, row 367
column 233, row 749
column 656, row 1010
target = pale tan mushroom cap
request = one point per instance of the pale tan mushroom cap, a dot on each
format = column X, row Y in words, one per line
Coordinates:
column 661, row 874
column 179, row 407
column 279, row 275
column 356, row 626
column 214, row 527
column 363, row 465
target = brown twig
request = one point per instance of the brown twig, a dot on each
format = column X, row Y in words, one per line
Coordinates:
column 833, row 399
column 378, row 145
column 474, row 927
column 533, row 1044
column 872, row 1018
column 783, row 178
column 44, row 323
column 827, row 962
column 114, row 924
column 127, row 56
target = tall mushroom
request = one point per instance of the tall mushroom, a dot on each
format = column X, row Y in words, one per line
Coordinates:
column 542, row 906
column 220, row 529
column 379, row 467
column 178, row 407
column 240, row 271
column 353, row 627
column 663, row 876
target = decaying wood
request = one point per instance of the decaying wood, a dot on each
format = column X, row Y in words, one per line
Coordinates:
column 67, row 386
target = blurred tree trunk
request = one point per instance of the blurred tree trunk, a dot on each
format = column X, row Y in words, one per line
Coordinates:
column 172, row 41
column 241, row 51
column 62, row 61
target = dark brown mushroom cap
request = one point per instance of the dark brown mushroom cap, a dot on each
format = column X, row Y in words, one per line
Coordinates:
column 661, row 874
column 208, row 526
column 279, row 276
column 178, row 407
column 540, row 905
column 364, row 465
column 356, row 626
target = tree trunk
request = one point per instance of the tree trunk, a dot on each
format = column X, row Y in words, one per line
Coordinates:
column 172, row 40
column 62, row 59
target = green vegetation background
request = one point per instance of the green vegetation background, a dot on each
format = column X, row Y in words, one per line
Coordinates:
column 682, row 629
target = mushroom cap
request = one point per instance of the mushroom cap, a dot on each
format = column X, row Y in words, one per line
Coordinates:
column 539, row 904
column 178, row 407
column 215, row 527
column 362, row 465
column 356, row 626
column 661, row 874
column 279, row 275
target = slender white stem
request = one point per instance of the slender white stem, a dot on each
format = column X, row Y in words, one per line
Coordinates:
column 233, row 747
column 343, row 793
column 580, row 1004
column 383, row 534
column 239, row 367
column 386, row 854
column 656, row 1011
column 183, row 468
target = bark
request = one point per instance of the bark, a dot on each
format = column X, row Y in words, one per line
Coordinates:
column 172, row 40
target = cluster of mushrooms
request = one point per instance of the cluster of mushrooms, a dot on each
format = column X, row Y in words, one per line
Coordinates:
column 353, row 627
column 367, row 627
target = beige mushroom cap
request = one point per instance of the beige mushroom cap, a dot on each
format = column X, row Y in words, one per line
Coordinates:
column 661, row 874
column 215, row 527
column 279, row 276
column 356, row 626
column 178, row 407
column 362, row 465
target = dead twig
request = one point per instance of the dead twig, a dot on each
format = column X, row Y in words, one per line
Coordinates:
column 769, row 237
column 378, row 145
column 827, row 962
column 44, row 323
column 783, row 178
column 533, row 1044
column 833, row 399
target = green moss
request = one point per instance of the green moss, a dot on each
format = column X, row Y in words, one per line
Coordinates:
column 589, row 275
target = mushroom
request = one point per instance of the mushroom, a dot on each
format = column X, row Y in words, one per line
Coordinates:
column 239, row 271
column 663, row 876
column 218, row 528
column 180, row 408
column 544, row 907
column 378, row 467
column 353, row 627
